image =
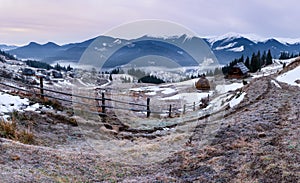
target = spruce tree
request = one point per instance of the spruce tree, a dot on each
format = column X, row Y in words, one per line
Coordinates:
column 269, row 58
column 247, row 63
column 253, row 63
column 263, row 58
column 258, row 64
column 241, row 59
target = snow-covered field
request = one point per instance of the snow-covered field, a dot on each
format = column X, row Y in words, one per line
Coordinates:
column 290, row 77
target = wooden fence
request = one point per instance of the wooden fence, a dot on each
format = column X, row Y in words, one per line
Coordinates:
column 102, row 102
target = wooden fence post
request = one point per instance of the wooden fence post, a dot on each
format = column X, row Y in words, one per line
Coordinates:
column 184, row 108
column 103, row 103
column 41, row 88
column 148, row 107
column 194, row 106
column 170, row 110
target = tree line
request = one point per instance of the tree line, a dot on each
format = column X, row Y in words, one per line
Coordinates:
column 36, row 64
column 6, row 55
column 286, row 55
column 43, row 65
column 254, row 64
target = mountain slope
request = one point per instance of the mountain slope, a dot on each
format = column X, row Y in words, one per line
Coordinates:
column 5, row 47
column 234, row 46
column 226, row 47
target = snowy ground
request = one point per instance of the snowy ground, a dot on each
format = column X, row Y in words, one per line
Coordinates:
column 273, row 68
column 228, row 87
column 290, row 77
column 236, row 100
column 189, row 97
column 9, row 103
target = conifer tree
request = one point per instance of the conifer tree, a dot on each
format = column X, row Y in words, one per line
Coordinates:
column 269, row 58
column 263, row 58
column 247, row 63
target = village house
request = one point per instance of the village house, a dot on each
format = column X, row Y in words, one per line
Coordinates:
column 238, row 71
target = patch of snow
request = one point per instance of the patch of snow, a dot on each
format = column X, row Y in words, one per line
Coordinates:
column 118, row 41
column 288, row 40
column 180, row 52
column 168, row 91
column 290, row 77
column 227, row 37
column 33, row 107
column 271, row 69
column 190, row 82
column 235, row 101
column 252, row 37
column 276, row 84
column 229, row 87
column 130, row 45
column 8, row 103
column 189, row 97
column 147, row 88
column 150, row 93
column 152, row 90
column 65, row 82
column 230, row 45
column 237, row 49
column 100, row 49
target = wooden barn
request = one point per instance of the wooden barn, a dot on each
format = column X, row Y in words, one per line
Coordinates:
column 238, row 71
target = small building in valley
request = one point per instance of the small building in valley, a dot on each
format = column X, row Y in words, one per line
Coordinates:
column 238, row 71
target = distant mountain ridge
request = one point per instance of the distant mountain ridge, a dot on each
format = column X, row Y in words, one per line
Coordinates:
column 226, row 47
column 5, row 47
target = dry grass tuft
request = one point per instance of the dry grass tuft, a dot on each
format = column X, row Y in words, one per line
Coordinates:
column 8, row 129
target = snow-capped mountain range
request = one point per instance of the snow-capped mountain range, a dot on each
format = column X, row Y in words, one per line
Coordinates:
column 226, row 47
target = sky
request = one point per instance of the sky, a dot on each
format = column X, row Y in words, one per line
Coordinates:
column 66, row 21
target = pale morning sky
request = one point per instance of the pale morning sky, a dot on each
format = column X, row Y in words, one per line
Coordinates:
column 64, row 21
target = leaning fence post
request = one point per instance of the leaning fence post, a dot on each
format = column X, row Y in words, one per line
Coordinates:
column 103, row 103
column 41, row 88
column 148, row 107
column 170, row 110
column 194, row 106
